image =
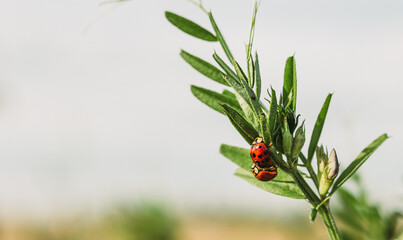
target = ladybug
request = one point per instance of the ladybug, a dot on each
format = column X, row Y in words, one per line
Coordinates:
column 264, row 174
column 260, row 153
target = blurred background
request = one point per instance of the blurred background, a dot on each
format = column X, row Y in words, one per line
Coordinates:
column 101, row 138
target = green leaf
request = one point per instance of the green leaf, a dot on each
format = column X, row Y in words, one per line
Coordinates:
column 361, row 158
column 229, row 94
column 317, row 130
column 264, row 108
column 213, row 99
column 204, row 67
column 286, row 189
column 220, row 38
column 290, row 83
column 251, row 99
column 190, row 27
column 252, row 29
column 243, row 99
column 264, row 128
column 241, row 157
column 244, row 93
column 240, row 92
column 225, row 67
column 258, row 86
column 254, row 110
column 246, row 109
column 241, row 125
column 251, row 71
column 272, row 113
column 351, row 213
column 239, row 71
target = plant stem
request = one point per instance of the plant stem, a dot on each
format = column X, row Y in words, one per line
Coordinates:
column 329, row 222
column 324, row 210
column 310, row 170
column 305, row 188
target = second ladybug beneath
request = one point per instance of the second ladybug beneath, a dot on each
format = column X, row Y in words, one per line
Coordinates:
column 264, row 174
column 260, row 153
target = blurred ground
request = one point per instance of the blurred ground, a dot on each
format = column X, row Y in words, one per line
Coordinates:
column 155, row 222
column 357, row 216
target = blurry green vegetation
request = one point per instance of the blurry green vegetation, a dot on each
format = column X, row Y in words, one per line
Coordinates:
column 363, row 219
column 147, row 221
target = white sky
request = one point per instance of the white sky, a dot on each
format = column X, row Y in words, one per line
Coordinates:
column 88, row 119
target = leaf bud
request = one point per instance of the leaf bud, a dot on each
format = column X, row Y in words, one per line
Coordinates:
column 329, row 173
column 333, row 165
column 287, row 138
column 312, row 215
column 298, row 141
column 322, row 160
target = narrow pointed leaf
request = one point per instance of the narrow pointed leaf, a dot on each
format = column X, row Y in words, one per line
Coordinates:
column 286, row 189
column 251, row 71
column 239, row 71
column 229, row 94
column 246, row 108
column 225, row 67
column 258, row 80
column 213, row 99
column 361, row 158
column 264, row 108
column 204, row 67
column 247, row 131
column 252, row 29
column 241, row 157
column 253, row 109
column 317, row 130
column 190, row 27
column 243, row 98
column 251, row 99
column 220, row 38
column 290, row 83
column 264, row 128
column 272, row 113
column 239, row 90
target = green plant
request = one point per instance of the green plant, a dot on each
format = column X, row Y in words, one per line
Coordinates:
column 363, row 219
column 278, row 124
column 146, row 221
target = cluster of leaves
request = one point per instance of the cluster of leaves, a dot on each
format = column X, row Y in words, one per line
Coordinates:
column 243, row 105
column 364, row 220
column 249, row 116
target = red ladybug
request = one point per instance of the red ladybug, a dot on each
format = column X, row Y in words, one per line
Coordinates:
column 260, row 153
column 264, row 174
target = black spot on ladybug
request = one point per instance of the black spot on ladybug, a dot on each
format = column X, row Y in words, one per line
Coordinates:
column 254, row 155
column 260, row 156
column 266, row 152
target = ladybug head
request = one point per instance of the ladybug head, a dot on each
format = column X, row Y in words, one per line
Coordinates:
column 257, row 140
column 255, row 169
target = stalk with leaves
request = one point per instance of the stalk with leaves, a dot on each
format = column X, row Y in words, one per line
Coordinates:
column 278, row 124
